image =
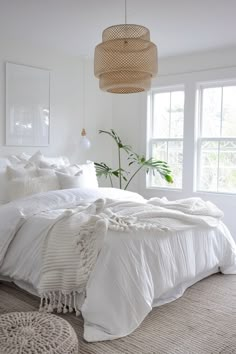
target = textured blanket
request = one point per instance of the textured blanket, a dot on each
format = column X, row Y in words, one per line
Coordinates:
column 69, row 254
column 73, row 243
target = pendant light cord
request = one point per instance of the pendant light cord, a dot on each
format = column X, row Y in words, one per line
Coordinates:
column 84, row 64
column 125, row 11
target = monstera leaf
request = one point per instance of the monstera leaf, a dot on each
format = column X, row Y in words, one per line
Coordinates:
column 150, row 165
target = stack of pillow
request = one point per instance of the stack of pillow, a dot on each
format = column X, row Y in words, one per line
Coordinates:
column 22, row 175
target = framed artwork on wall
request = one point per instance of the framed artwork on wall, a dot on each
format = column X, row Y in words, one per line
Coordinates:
column 27, row 105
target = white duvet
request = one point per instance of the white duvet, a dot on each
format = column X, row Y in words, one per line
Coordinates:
column 135, row 271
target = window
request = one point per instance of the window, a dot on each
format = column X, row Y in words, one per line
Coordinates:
column 166, row 133
column 217, row 139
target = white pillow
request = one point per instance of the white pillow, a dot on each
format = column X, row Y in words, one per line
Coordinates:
column 67, row 181
column 36, row 158
column 71, row 170
column 46, row 172
column 49, row 162
column 89, row 178
column 3, row 186
column 14, row 160
column 19, row 172
column 22, row 187
column 23, row 157
column 60, row 161
column 46, row 164
column 4, row 162
column 65, row 160
column 19, row 159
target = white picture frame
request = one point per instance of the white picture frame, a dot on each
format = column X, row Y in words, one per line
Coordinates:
column 27, row 105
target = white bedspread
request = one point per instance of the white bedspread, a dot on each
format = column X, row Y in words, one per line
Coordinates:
column 135, row 270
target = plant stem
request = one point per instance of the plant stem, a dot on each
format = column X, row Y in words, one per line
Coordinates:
column 111, row 181
column 119, row 159
column 132, row 177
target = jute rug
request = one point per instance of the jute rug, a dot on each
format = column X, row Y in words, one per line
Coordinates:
column 203, row 321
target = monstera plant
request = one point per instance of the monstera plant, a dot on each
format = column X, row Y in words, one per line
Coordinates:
column 138, row 161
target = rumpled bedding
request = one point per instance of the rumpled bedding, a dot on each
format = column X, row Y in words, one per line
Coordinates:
column 152, row 251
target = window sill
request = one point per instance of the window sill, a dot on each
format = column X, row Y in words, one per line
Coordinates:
column 223, row 194
column 179, row 190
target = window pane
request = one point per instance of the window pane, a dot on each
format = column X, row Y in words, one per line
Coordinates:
column 161, row 115
column 167, row 125
column 175, row 160
column 177, row 114
column 208, row 166
column 227, row 167
column 211, row 112
column 229, row 111
column 172, row 152
column 217, row 160
column 159, row 151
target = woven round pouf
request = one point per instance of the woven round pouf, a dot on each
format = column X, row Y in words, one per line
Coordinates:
column 36, row 333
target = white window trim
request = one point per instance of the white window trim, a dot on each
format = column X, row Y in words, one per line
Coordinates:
column 150, row 140
column 191, row 81
column 199, row 90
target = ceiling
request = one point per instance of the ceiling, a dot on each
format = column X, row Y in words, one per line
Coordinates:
column 75, row 26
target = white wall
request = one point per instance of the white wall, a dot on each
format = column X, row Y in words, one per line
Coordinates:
column 67, row 100
column 98, row 115
column 130, row 117
column 125, row 113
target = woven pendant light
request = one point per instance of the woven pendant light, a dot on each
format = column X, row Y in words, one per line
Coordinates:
column 126, row 60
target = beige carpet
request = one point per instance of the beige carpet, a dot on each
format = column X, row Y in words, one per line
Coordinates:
column 203, row 321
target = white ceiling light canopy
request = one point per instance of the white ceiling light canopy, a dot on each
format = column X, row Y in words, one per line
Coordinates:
column 126, row 60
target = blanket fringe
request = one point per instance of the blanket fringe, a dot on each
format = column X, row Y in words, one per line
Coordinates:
column 60, row 302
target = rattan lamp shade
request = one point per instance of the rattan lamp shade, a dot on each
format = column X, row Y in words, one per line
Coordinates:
column 126, row 60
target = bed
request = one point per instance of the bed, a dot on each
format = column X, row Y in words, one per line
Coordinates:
column 110, row 254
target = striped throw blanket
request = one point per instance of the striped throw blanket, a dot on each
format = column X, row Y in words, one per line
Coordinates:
column 69, row 255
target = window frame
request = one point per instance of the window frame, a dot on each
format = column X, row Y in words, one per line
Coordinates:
column 151, row 140
column 199, row 115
